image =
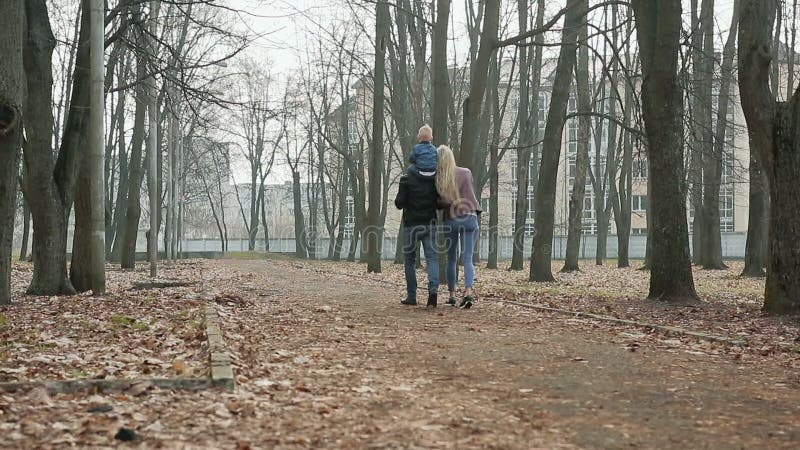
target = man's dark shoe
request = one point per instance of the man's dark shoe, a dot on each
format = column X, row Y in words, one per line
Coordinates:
column 432, row 300
column 466, row 303
column 451, row 301
column 409, row 301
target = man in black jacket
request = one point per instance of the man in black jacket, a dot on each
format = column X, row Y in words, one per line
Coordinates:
column 418, row 198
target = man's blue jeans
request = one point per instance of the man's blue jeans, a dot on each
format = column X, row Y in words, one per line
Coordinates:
column 427, row 235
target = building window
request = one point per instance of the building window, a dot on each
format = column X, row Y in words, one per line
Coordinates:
column 639, row 231
column 589, row 222
column 542, row 109
column 531, row 194
column 349, row 213
column 352, row 131
column 726, row 221
column 639, row 203
column 640, row 168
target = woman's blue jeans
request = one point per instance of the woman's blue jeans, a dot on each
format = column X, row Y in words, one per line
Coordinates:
column 463, row 229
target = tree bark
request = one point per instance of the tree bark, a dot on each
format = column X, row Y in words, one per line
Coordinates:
column 713, row 240
column 153, row 184
column 622, row 200
column 755, row 253
column 301, row 250
column 473, row 103
column 120, row 203
column 51, row 184
column 658, row 27
column 128, row 232
column 440, row 75
column 773, row 128
column 696, row 148
column 576, row 199
column 541, row 269
column 87, row 271
column 373, row 233
column 12, row 101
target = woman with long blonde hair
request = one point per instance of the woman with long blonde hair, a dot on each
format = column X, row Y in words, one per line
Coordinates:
column 457, row 194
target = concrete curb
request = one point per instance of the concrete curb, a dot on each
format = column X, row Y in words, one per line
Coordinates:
column 98, row 385
column 220, row 361
column 221, row 374
column 664, row 328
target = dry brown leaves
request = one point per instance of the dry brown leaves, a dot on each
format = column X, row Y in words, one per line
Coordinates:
column 325, row 357
column 128, row 333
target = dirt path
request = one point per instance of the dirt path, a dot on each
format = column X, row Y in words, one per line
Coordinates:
column 334, row 361
column 492, row 377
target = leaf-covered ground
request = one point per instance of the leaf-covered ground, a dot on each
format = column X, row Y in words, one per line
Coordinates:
column 326, row 357
column 133, row 332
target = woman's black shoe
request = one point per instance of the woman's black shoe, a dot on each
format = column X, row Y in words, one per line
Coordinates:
column 409, row 301
column 466, row 303
column 432, row 300
column 451, row 301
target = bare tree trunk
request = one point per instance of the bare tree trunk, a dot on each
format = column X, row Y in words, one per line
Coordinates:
column 339, row 243
column 50, row 183
column 374, row 230
column 711, row 244
column 790, row 52
column 773, row 128
column 713, row 239
column 576, row 199
column 128, row 232
column 494, row 187
column 440, row 75
column 87, row 271
column 696, row 155
column 301, row 250
column 622, row 199
column 541, row 269
column 658, row 30
column 494, row 163
column 477, row 85
column 12, row 101
column 524, row 144
column 755, row 253
column 153, row 184
column 116, row 233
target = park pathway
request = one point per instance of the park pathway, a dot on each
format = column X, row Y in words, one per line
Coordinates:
column 346, row 366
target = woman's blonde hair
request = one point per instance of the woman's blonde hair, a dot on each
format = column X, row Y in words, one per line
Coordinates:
column 446, row 176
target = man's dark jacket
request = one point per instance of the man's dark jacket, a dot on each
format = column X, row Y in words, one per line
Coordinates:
column 418, row 198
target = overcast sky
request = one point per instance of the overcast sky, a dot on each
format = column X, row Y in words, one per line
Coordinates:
column 282, row 25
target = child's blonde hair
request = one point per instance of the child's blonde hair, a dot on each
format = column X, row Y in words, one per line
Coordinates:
column 425, row 133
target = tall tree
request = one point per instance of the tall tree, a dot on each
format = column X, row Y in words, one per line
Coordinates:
column 12, row 92
column 87, row 271
column 128, row 231
column 524, row 142
column 439, row 73
column 373, row 236
column 578, row 195
column 477, row 86
column 698, row 126
column 51, row 181
column 152, row 146
column 541, row 256
column 773, row 128
column 658, row 28
column 712, row 244
column 96, row 159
